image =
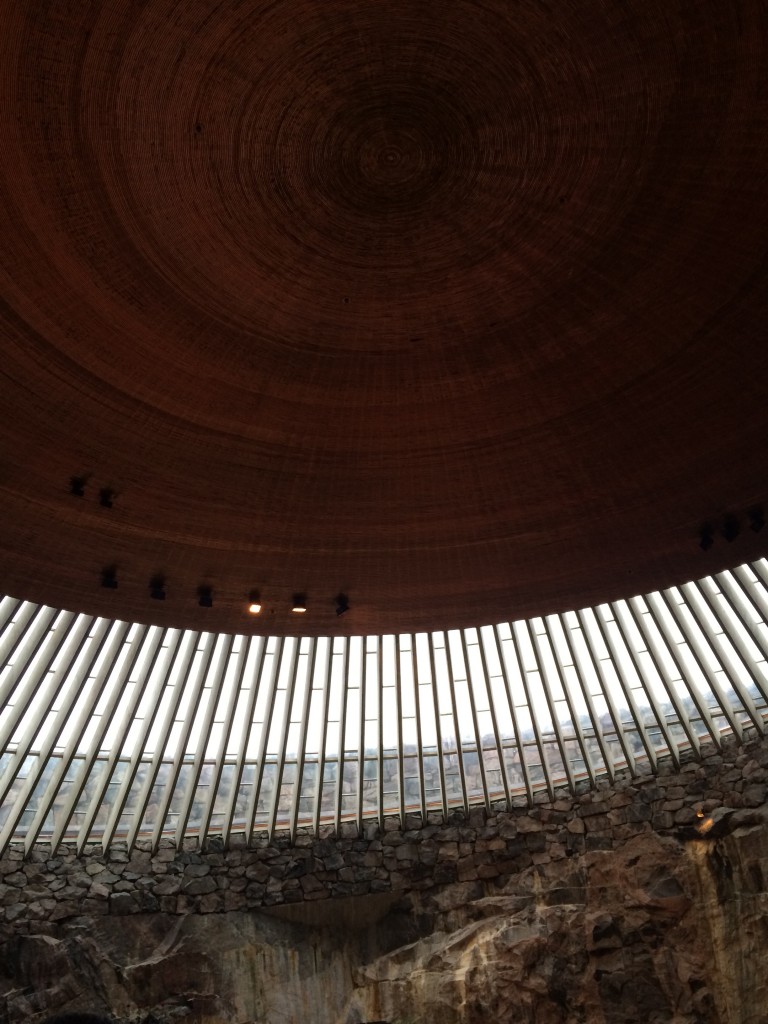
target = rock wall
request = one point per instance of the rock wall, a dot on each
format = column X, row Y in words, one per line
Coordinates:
column 644, row 901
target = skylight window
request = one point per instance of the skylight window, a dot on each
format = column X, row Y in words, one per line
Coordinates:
column 110, row 730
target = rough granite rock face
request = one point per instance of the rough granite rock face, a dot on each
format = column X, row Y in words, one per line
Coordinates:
column 658, row 931
column 641, row 903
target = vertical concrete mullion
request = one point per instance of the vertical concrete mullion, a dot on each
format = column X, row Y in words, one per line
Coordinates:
column 536, row 647
column 241, row 756
column 207, row 651
column 693, row 604
column 301, row 752
column 419, row 743
column 380, row 773
column 361, row 735
column 182, row 660
column 623, row 614
column 617, row 657
column 531, row 709
column 151, row 639
column 185, row 656
column 730, row 588
column 101, row 644
column 47, row 644
column 29, row 630
column 226, row 641
column 494, row 717
column 438, row 726
column 606, row 690
column 121, row 630
column 457, row 727
column 736, row 641
column 226, row 732
column 253, row 803
column 399, row 713
column 699, row 655
column 323, row 740
column 560, row 670
column 135, row 757
column 655, row 654
column 475, row 720
column 274, row 803
column 70, row 644
column 341, row 763
column 579, row 668
column 513, row 713
column 693, row 694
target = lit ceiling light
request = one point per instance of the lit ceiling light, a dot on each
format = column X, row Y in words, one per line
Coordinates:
column 254, row 602
column 299, row 604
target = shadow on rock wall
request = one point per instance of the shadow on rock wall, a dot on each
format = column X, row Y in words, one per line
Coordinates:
column 657, row 931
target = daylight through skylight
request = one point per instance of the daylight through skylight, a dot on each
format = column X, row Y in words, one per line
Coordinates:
column 111, row 730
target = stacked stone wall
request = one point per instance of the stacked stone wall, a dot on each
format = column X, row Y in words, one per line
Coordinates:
column 490, row 846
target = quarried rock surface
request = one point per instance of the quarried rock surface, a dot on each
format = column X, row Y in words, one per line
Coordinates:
column 645, row 902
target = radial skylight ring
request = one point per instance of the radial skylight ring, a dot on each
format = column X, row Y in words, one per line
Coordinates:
column 111, row 731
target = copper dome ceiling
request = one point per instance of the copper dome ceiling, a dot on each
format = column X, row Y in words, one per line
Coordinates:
column 456, row 308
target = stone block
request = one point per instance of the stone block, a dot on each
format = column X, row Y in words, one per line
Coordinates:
column 122, row 903
column 662, row 820
column 685, row 816
column 200, row 886
column 754, row 795
column 409, row 851
column 257, row 872
column 466, row 870
column 594, row 807
column 15, row 911
column 196, row 870
column 212, row 903
column 448, row 852
column 444, row 873
column 168, row 887
column 310, row 883
column 317, row 894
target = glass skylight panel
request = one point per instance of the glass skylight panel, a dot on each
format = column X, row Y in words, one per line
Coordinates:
column 111, row 730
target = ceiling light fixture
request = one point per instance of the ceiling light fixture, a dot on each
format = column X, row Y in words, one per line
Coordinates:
column 106, row 494
column 205, row 596
column 706, row 538
column 299, row 604
column 157, row 588
column 77, row 486
column 109, row 577
column 342, row 604
column 254, row 602
column 756, row 519
column 731, row 528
